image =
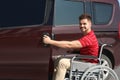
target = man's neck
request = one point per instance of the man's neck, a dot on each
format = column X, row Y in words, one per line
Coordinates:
column 87, row 32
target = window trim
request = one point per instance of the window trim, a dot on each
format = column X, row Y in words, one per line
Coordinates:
column 93, row 14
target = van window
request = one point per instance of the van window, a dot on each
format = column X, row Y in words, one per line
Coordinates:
column 67, row 12
column 102, row 13
column 21, row 12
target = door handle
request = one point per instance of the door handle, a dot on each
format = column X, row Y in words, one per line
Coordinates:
column 45, row 33
column 52, row 36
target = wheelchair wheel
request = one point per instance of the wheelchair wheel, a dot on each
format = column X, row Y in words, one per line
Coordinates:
column 98, row 73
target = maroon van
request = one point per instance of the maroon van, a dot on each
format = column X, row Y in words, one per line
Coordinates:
column 23, row 56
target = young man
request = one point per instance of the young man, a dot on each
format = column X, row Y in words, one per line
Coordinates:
column 87, row 44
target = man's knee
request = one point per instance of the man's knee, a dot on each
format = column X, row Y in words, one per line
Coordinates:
column 64, row 63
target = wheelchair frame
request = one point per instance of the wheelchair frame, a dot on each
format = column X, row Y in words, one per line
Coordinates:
column 95, row 72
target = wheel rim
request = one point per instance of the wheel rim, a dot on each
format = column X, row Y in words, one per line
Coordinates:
column 104, row 63
column 105, row 72
column 90, row 73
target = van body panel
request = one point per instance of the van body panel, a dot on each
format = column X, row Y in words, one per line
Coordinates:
column 22, row 53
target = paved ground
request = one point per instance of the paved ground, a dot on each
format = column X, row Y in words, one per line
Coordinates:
column 118, row 71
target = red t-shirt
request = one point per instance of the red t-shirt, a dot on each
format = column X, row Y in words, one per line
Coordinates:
column 90, row 45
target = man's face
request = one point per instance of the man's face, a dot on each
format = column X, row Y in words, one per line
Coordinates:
column 85, row 25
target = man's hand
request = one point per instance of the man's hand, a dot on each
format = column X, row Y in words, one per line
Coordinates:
column 46, row 39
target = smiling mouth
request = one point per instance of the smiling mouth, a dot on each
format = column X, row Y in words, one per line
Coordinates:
column 82, row 28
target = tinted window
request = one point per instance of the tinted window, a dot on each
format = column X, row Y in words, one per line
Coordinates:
column 67, row 12
column 21, row 12
column 102, row 13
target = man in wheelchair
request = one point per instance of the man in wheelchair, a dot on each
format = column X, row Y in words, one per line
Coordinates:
column 87, row 44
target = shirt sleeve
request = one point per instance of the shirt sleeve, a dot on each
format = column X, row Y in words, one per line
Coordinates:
column 85, row 41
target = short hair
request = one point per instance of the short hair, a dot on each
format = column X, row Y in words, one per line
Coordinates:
column 85, row 16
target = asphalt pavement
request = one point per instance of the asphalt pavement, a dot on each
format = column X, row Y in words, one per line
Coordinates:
column 117, row 70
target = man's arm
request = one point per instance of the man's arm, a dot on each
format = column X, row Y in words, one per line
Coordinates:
column 63, row 44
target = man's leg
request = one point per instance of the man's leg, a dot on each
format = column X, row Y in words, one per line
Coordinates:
column 61, row 69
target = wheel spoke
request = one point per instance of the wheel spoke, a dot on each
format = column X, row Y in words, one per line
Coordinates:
column 104, row 63
column 103, row 70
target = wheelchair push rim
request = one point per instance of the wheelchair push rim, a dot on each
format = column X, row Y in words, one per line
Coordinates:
column 97, row 73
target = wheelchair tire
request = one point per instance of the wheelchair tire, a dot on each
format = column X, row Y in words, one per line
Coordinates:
column 108, row 61
column 90, row 74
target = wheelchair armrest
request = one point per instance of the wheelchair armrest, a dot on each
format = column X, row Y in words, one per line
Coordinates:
column 87, row 56
column 84, row 57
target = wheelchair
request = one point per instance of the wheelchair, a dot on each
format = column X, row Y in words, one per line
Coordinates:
column 94, row 72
